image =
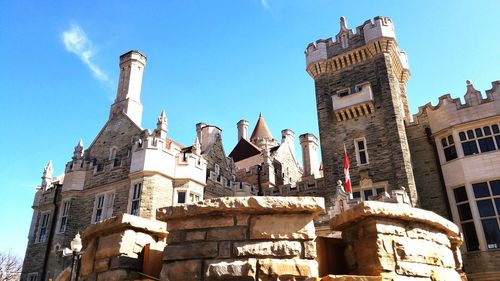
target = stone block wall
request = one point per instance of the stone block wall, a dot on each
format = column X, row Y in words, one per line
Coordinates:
column 399, row 242
column 113, row 249
column 241, row 238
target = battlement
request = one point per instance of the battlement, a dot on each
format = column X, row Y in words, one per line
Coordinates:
column 349, row 47
column 451, row 111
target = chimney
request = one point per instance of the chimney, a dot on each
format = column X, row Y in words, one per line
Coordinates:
column 288, row 136
column 242, row 129
column 309, row 144
column 128, row 96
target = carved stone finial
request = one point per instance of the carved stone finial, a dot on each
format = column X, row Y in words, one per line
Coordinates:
column 339, row 183
column 468, row 82
column 162, row 125
column 343, row 23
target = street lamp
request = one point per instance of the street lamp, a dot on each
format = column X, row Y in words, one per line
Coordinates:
column 76, row 247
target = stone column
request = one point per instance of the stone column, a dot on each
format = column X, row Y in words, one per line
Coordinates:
column 396, row 241
column 241, row 238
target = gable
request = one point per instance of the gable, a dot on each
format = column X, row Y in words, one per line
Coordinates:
column 243, row 149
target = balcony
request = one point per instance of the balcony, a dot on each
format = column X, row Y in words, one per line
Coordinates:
column 349, row 105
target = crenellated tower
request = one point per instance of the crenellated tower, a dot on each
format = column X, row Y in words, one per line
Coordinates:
column 360, row 82
column 128, row 96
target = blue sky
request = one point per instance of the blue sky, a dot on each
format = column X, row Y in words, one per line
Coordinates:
column 210, row 61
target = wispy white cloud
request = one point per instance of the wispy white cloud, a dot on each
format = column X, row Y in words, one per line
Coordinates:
column 76, row 41
column 264, row 4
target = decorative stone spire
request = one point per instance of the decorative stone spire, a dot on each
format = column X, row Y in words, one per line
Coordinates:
column 197, row 146
column 47, row 175
column 343, row 24
column 472, row 96
column 78, row 152
column 162, row 125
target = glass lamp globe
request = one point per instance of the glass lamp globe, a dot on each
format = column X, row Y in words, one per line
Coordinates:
column 76, row 243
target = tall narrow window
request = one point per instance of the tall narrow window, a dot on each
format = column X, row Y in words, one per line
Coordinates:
column 465, row 217
column 136, row 199
column 448, row 144
column 181, row 197
column 99, row 208
column 64, row 216
column 44, row 221
column 487, row 196
column 361, row 151
column 217, row 169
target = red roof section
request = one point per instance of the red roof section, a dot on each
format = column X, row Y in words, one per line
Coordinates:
column 261, row 130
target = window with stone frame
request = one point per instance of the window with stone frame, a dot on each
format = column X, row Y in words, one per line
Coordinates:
column 103, row 206
column 480, row 140
column 194, row 197
column 43, row 224
column 181, row 197
column 135, row 197
column 367, row 192
column 487, row 195
column 217, row 169
column 63, row 219
column 465, row 217
column 361, row 151
column 32, row 276
column 449, row 149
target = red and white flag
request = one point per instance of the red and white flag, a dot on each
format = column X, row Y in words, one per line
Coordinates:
column 346, row 172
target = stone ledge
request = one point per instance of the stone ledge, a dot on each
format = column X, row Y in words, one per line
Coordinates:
column 124, row 222
column 374, row 209
column 249, row 204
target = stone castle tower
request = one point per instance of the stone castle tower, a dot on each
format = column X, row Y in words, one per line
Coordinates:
column 360, row 79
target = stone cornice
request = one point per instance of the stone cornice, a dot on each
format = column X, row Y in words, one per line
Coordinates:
column 360, row 55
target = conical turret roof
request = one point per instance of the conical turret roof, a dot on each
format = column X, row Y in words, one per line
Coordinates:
column 261, row 130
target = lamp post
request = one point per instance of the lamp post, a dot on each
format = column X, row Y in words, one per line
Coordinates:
column 76, row 247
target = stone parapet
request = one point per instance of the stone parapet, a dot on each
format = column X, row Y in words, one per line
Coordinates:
column 397, row 241
column 241, row 238
column 115, row 249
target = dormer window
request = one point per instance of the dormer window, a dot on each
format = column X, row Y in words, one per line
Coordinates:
column 343, row 92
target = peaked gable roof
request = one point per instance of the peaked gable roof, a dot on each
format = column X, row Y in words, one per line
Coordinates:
column 261, row 130
column 244, row 149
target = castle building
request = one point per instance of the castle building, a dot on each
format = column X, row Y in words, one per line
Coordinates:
column 447, row 156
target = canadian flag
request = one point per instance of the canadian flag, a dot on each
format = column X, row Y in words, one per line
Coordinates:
column 346, row 172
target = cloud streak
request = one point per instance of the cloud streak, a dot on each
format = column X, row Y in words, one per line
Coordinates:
column 264, row 4
column 76, row 41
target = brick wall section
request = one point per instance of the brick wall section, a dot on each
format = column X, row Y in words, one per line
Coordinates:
column 396, row 241
column 384, row 129
column 243, row 238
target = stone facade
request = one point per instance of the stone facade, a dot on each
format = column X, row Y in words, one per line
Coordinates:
column 242, row 238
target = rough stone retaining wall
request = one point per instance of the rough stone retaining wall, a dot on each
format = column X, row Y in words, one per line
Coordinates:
column 399, row 242
column 241, row 238
column 113, row 249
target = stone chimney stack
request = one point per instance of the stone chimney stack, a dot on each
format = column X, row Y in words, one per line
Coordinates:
column 242, row 129
column 309, row 144
column 288, row 136
column 128, row 96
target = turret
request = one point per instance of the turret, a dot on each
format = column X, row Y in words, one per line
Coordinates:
column 309, row 145
column 128, row 96
column 288, row 137
column 162, row 125
column 242, row 129
column 78, row 152
column 47, row 175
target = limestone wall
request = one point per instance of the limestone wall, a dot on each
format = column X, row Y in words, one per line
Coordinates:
column 241, row 238
column 114, row 249
column 399, row 242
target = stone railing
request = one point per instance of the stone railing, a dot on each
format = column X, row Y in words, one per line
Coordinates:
column 241, row 238
column 396, row 241
column 122, row 248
